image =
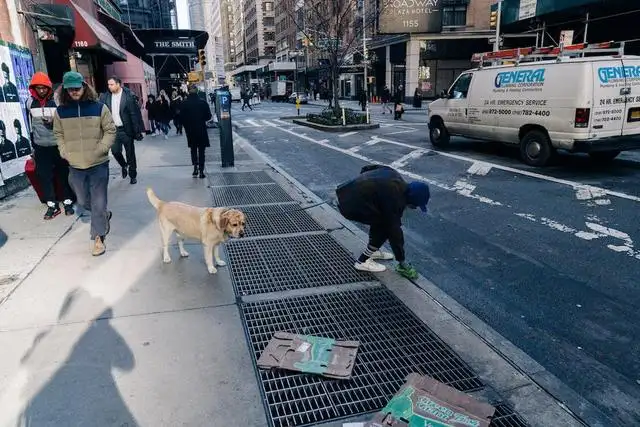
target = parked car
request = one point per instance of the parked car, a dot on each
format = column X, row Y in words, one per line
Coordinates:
column 304, row 99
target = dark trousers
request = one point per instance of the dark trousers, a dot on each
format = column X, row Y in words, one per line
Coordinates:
column 124, row 140
column 91, row 186
column 379, row 233
column 50, row 167
column 197, row 156
column 245, row 103
column 178, row 125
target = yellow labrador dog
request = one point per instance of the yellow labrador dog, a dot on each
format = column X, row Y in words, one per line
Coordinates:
column 211, row 226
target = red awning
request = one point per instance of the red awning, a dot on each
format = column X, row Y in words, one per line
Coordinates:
column 91, row 34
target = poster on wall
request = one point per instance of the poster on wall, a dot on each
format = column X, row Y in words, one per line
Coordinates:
column 527, row 9
column 15, row 146
column 23, row 66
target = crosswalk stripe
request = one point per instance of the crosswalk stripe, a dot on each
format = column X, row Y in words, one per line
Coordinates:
column 268, row 123
column 253, row 123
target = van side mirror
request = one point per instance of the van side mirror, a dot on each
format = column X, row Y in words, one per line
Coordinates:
column 444, row 94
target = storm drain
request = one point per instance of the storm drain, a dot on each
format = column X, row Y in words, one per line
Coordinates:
column 393, row 341
column 505, row 417
column 287, row 218
column 240, row 178
column 285, row 263
column 250, row 195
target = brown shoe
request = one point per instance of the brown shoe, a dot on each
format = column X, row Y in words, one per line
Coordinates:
column 98, row 247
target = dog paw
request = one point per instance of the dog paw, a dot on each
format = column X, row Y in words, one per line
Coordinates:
column 184, row 254
column 212, row 270
column 166, row 260
column 220, row 263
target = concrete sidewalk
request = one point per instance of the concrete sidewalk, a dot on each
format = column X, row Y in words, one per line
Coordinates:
column 124, row 339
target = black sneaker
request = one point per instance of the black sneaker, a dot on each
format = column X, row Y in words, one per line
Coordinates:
column 134, row 181
column 195, row 172
column 109, row 215
column 124, row 172
column 202, row 175
column 68, row 210
column 52, row 212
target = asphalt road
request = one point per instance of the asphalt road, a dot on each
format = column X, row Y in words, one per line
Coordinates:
column 546, row 257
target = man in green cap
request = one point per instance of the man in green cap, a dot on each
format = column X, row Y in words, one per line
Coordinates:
column 85, row 132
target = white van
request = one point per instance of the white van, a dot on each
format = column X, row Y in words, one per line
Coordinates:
column 583, row 104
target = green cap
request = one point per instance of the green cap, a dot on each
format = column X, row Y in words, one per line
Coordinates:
column 72, row 80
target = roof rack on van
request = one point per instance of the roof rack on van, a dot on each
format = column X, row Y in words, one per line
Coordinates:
column 520, row 54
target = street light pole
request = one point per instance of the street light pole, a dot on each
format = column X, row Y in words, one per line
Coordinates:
column 365, row 56
column 496, row 43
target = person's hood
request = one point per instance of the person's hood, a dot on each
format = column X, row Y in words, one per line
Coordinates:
column 40, row 79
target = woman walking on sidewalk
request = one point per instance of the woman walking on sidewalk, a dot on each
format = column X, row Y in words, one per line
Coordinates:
column 194, row 115
column 85, row 132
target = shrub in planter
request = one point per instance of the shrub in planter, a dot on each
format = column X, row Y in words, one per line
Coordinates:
column 329, row 117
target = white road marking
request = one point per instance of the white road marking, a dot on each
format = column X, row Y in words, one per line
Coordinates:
column 596, row 231
column 357, row 148
column 408, row 130
column 594, row 195
column 466, row 189
column 573, row 184
column 252, row 123
column 402, row 161
column 479, row 168
column 347, row 134
column 268, row 123
column 239, row 124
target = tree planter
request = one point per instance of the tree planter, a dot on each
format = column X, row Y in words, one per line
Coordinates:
column 336, row 128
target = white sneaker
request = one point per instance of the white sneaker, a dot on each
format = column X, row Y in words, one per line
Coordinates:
column 386, row 256
column 370, row 266
column 166, row 137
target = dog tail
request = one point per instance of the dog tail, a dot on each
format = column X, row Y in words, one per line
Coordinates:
column 153, row 199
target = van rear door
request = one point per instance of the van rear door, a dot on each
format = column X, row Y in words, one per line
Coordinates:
column 609, row 99
column 631, row 119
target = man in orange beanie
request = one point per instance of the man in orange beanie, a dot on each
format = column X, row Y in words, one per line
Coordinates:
column 41, row 108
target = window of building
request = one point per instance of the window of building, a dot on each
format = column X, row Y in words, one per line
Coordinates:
column 268, row 22
column 267, row 6
column 454, row 16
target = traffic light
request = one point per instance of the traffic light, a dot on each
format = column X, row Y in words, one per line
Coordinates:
column 202, row 58
column 493, row 20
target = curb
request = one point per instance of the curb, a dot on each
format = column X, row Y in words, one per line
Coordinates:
column 557, row 404
column 327, row 128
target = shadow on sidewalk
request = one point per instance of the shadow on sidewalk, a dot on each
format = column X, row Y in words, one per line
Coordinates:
column 83, row 391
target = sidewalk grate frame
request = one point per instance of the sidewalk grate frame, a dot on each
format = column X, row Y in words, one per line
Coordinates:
column 393, row 343
column 240, row 178
column 268, row 220
column 216, row 156
column 290, row 262
column 506, row 417
column 250, row 195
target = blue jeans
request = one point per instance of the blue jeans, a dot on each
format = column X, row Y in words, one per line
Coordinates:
column 90, row 186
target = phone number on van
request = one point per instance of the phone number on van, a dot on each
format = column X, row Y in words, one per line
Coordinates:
column 542, row 113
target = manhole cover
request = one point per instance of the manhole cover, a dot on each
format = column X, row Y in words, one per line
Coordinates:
column 393, row 343
column 240, row 178
column 287, row 218
column 285, row 263
column 505, row 417
column 250, row 195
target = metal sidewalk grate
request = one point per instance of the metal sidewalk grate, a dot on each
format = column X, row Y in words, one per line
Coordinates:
column 268, row 220
column 249, row 195
column 285, row 263
column 240, row 178
column 505, row 417
column 216, row 157
column 393, row 343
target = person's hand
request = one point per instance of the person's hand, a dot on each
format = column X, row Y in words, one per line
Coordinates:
column 406, row 270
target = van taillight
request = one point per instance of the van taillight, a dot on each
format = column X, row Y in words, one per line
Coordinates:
column 582, row 117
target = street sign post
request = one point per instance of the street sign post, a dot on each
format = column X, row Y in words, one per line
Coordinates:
column 223, row 110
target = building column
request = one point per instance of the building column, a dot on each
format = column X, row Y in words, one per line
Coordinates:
column 387, row 66
column 413, row 62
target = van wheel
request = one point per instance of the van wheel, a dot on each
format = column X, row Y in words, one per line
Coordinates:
column 536, row 149
column 604, row 156
column 438, row 134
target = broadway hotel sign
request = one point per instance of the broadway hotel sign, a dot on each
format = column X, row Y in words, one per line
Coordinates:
column 411, row 16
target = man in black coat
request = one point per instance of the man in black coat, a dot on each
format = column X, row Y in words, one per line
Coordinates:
column 378, row 198
column 129, row 125
column 194, row 115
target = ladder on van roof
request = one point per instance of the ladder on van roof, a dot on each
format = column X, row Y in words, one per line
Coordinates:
column 526, row 54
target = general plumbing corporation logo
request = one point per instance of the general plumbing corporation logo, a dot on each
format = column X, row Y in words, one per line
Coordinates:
column 520, row 79
column 608, row 75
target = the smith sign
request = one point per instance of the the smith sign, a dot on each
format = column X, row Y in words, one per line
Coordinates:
column 410, row 16
column 174, row 46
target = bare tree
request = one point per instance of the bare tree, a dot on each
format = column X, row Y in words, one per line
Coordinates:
column 334, row 29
